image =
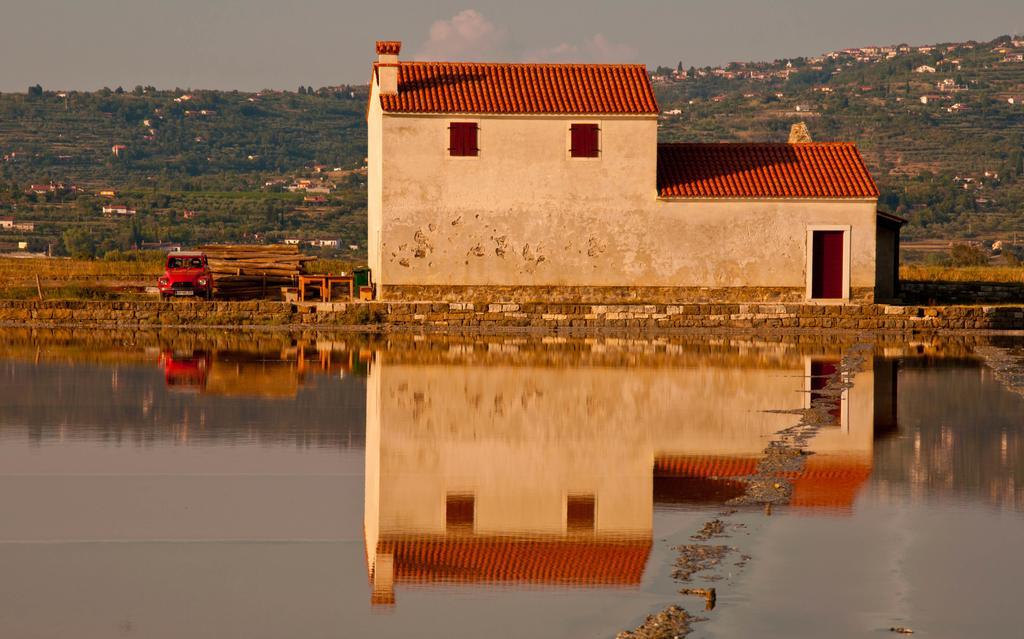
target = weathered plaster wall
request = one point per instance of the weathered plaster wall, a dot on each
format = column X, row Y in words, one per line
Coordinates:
column 374, row 180
column 516, row 213
column 660, row 243
column 524, row 213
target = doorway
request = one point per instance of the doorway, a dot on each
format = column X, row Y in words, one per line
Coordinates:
column 827, row 264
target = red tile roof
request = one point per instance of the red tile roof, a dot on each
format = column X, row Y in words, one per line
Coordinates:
column 804, row 170
column 566, row 562
column 498, row 88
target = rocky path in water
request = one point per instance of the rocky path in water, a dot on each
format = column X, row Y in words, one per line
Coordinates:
column 1007, row 363
column 784, row 456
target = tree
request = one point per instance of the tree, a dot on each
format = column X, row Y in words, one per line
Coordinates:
column 79, row 243
column 85, row 205
column 968, row 255
column 35, row 91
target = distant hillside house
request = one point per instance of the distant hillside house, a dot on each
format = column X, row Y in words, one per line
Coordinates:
column 123, row 211
column 538, row 182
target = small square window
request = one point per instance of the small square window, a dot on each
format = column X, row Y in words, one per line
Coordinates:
column 462, row 139
column 584, row 141
column 580, row 513
column 460, row 511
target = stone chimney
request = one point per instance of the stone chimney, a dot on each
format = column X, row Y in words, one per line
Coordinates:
column 798, row 133
column 387, row 66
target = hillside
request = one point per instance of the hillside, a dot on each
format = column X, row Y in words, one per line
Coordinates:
column 940, row 127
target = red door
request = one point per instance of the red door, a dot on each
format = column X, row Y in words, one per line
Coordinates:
column 827, row 265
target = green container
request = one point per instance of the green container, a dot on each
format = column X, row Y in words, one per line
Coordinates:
column 362, row 277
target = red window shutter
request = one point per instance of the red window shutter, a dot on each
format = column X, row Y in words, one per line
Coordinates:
column 462, row 138
column 470, row 143
column 584, row 140
column 454, row 139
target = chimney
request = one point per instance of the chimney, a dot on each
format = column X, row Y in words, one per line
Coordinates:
column 387, row 66
column 799, row 133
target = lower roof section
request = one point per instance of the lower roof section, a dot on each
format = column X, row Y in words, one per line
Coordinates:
column 801, row 170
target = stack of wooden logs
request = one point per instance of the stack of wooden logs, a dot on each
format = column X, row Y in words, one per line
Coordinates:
column 253, row 271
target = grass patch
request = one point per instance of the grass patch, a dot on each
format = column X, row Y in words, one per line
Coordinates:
column 18, row 272
column 993, row 274
column 69, row 292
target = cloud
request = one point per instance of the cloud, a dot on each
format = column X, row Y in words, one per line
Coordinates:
column 596, row 48
column 467, row 35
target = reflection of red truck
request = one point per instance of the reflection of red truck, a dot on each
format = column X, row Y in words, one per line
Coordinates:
column 187, row 274
column 185, row 371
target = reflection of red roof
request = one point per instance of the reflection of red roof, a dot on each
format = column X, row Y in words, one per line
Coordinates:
column 705, row 466
column 826, row 483
column 520, row 560
column 814, row 170
column 478, row 87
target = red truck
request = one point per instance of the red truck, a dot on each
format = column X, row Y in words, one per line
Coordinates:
column 187, row 274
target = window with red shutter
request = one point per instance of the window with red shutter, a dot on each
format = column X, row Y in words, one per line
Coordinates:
column 462, row 139
column 584, row 141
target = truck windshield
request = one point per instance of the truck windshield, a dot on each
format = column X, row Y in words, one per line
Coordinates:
column 184, row 262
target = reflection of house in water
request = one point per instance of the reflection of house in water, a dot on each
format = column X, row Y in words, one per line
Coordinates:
column 550, row 475
column 259, row 374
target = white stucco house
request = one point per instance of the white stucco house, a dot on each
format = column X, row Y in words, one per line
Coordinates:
column 534, row 182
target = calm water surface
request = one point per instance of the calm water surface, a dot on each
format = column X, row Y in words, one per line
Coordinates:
column 225, row 485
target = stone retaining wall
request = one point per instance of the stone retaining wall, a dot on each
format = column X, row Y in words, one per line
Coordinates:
column 608, row 294
column 467, row 315
column 962, row 292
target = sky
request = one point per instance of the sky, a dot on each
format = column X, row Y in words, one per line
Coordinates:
column 281, row 44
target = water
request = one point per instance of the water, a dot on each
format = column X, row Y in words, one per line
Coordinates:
column 268, row 485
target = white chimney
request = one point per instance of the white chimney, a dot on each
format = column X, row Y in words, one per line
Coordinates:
column 387, row 66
